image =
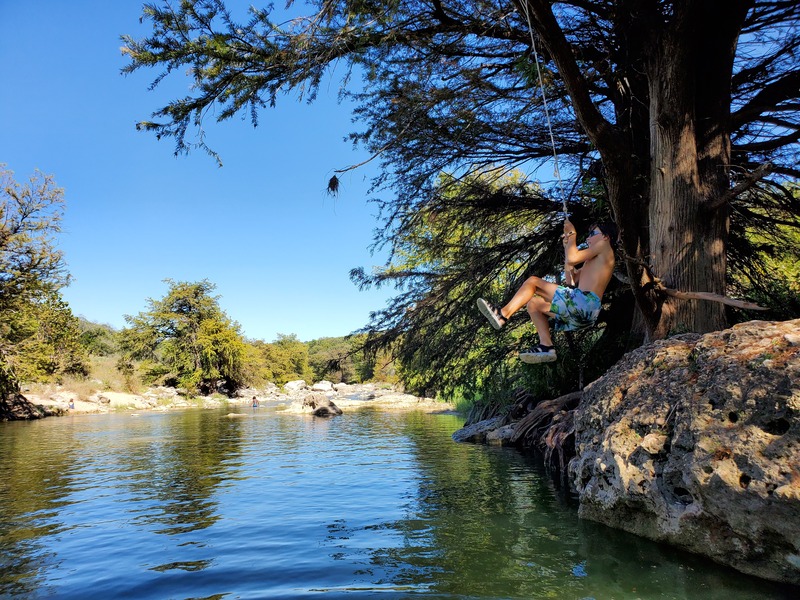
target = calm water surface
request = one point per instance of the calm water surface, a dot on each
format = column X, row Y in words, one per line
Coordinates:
column 197, row 504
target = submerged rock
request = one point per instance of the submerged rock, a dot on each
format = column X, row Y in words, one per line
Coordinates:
column 695, row 441
column 480, row 431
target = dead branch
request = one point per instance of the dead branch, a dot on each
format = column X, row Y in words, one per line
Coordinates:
column 752, row 178
column 708, row 296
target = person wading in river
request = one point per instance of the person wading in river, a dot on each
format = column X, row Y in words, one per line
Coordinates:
column 571, row 306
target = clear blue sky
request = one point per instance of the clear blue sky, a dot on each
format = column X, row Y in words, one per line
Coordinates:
column 261, row 227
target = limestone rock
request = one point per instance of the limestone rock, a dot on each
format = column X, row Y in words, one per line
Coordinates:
column 695, row 441
column 160, row 395
column 322, row 386
column 477, row 432
column 501, row 436
column 294, row 386
column 321, row 406
column 122, row 400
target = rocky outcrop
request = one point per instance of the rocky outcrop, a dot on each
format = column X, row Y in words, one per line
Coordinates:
column 695, row 441
column 346, row 397
column 296, row 397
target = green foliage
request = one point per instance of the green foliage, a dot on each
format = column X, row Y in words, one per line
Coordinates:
column 765, row 267
column 185, row 340
column 330, row 358
column 477, row 236
column 456, row 88
column 286, row 359
column 340, row 359
column 30, row 217
column 345, row 359
column 38, row 333
column 47, row 346
column 97, row 339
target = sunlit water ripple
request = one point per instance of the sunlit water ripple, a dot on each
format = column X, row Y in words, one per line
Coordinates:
column 198, row 504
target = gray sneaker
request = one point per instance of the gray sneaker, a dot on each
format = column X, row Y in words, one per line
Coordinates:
column 495, row 317
column 538, row 354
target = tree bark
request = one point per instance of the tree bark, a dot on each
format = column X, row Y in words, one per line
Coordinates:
column 689, row 73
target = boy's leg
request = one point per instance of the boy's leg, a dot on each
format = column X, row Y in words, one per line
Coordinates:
column 533, row 286
column 539, row 310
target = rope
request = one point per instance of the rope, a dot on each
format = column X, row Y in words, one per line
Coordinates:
column 556, row 170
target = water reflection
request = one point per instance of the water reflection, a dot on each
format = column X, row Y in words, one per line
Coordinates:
column 176, row 468
column 196, row 504
column 33, row 493
column 153, row 473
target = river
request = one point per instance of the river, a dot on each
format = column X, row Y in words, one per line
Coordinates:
column 200, row 504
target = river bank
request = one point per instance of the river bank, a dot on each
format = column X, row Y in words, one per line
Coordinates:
column 57, row 400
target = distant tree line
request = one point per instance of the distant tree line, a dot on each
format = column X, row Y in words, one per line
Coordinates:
column 186, row 340
column 183, row 339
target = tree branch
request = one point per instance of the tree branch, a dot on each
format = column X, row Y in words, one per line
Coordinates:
column 752, row 178
column 711, row 297
column 768, row 98
column 599, row 130
column 708, row 296
column 769, row 145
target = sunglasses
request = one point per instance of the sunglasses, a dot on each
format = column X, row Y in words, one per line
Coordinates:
column 594, row 233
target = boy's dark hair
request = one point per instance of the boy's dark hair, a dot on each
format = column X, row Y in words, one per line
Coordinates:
column 610, row 230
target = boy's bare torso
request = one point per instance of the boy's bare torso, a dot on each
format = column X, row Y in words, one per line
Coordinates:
column 597, row 258
column 596, row 272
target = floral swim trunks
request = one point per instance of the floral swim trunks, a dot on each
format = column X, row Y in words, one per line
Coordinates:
column 574, row 309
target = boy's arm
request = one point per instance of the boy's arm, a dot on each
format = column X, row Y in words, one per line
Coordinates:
column 574, row 256
column 568, row 239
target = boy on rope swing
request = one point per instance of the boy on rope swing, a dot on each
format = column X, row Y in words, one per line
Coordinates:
column 573, row 306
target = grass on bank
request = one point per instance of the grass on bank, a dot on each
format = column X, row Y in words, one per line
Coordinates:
column 103, row 377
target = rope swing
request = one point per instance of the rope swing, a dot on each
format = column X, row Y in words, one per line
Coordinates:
column 556, row 170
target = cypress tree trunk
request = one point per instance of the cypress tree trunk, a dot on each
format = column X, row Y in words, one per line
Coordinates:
column 687, row 243
column 690, row 152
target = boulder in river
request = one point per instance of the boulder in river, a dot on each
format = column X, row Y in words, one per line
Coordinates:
column 321, row 406
column 322, row 386
column 294, row 386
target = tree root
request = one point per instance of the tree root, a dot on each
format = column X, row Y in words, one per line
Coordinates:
column 549, row 428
